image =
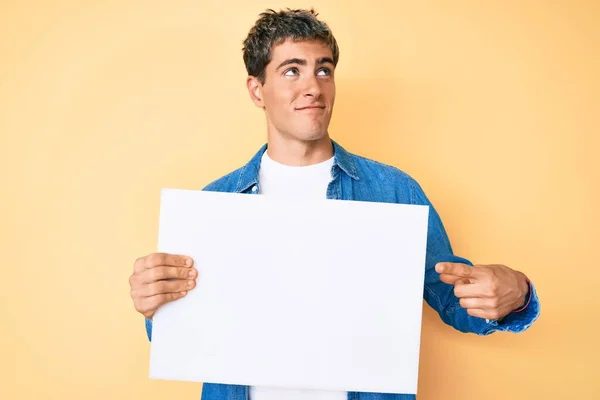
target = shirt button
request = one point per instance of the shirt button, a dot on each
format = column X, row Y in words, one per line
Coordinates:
column 254, row 188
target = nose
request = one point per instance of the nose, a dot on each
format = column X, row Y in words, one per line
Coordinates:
column 312, row 87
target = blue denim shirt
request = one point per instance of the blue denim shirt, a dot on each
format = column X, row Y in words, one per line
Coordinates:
column 362, row 179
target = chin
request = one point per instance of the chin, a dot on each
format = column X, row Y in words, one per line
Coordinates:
column 312, row 136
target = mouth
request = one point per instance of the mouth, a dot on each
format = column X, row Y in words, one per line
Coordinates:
column 310, row 108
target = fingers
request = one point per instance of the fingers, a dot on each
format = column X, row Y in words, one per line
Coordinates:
column 486, row 314
column 157, row 259
column 477, row 312
column 487, row 308
column 482, row 290
column 162, row 272
column 455, row 269
column 165, row 287
column 159, row 278
column 453, row 279
column 150, row 304
column 472, row 290
column 479, row 303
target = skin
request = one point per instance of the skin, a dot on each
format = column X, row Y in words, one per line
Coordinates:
column 159, row 278
column 297, row 98
column 485, row 291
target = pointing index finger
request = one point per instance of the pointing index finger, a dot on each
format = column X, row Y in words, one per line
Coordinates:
column 455, row 269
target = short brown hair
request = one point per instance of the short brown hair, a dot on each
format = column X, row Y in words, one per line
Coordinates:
column 273, row 28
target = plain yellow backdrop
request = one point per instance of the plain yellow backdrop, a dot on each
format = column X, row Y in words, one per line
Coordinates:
column 493, row 106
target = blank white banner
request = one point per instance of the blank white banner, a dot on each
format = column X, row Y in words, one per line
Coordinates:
column 321, row 295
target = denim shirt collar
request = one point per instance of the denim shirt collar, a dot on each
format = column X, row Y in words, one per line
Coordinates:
column 249, row 174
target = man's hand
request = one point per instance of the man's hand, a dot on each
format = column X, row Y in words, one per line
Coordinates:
column 159, row 278
column 485, row 291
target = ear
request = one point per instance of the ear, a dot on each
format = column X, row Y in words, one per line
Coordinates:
column 255, row 90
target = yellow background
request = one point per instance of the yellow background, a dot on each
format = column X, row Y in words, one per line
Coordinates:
column 492, row 106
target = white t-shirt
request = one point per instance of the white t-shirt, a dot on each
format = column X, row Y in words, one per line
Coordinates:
column 309, row 182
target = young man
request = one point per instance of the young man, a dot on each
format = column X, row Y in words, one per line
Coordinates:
column 291, row 57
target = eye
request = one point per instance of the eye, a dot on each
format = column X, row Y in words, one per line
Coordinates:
column 324, row 72
column 291, row 72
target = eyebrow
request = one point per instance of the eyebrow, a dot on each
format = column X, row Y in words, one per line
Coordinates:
column 300, row 61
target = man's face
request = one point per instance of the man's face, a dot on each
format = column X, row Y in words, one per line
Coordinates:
column 299, row 90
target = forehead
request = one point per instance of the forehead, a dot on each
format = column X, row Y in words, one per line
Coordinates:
column 309, row 50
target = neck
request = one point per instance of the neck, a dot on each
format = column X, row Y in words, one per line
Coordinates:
column 299, row 153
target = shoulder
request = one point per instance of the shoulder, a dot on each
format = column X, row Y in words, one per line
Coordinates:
column 388, row 180
column 226, row 183
column 368, row 167
column 378, row 175
column 240, row 179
